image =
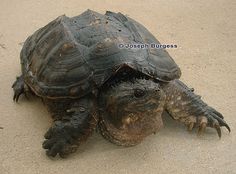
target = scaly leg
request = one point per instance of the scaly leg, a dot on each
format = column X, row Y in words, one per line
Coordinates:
column 76, row 120
column 183, row 105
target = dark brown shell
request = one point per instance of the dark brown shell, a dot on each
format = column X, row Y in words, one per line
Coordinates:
column 70, row 57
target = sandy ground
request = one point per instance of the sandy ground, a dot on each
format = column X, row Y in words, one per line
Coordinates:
column 205, row 34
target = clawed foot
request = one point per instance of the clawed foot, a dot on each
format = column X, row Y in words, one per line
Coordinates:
column 59, row 140
column 18, row 87
column 211, row 118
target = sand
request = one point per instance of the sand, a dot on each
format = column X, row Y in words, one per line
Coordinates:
column 205, row 34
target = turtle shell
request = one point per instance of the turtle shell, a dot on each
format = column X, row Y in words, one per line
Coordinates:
column 70, row 57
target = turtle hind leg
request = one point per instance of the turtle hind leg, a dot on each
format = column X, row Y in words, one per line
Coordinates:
column 19, row 88
column 183, row 105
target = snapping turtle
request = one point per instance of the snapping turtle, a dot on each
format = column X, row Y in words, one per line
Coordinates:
column 86, row 80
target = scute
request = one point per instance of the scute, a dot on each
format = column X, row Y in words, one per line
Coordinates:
column 71, row 57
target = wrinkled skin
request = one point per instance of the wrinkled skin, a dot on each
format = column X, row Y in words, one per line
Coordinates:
column 126, row 113
column 131, row 111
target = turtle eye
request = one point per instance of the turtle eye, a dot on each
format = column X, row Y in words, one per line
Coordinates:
column 139, row 93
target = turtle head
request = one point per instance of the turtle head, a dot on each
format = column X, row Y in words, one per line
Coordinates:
column 131, row 111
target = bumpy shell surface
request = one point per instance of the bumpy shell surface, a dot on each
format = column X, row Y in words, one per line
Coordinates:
column 71, row 57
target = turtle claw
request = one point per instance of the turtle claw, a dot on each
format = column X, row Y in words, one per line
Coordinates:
column 211, row 118
column 18, row 87
column 223, row 123
column 201, row 129
column 218, row 129
column 190, row 126
column 227, row 127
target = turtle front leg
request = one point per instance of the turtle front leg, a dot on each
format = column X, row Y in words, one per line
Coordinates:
column 183, row 105
column 75, row 125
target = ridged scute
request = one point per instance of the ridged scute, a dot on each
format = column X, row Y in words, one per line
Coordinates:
column 71, row 57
